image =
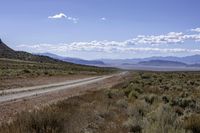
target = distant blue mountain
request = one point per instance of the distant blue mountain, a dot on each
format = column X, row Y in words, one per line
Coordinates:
column 194, row 59
column 163, row 63
column 74, row 60
column 169, row 61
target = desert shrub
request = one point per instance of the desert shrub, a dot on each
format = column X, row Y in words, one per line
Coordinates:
column 46, row 73
column 183, row 102
column 179, row 110
column 27, row 71
column 111, row 93
column 133, row 125
column 122, row 85
column 177, row 87
column 127, row 91
column 136, row 116
column 193, row 123
column 165, row 99
column 133, row 90
column 138, row 108
column 190, row 82
column 150, row 98
column 163, row 120
column 146, row 76
column 71, row 73
column 165, row 87
column 122, row 103
column 133, row 94
column 184, row 94
column 38, row 121
column 108, row 93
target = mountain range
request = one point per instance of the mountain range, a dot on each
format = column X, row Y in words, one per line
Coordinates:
column 74, row 60
column 188, row 61
column 162, row 63
column 170, row 61
column 194, row 59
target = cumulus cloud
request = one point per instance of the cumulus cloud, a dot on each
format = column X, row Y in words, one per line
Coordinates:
column 98, row 46
column 196, row 30
column 195, row 37
column 162, row 50
column 62, row 15
column 170, row 38
column 58, row 16
column 134, row 44
column 102, row 48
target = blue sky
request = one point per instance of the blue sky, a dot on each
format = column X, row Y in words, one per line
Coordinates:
column 93, row 29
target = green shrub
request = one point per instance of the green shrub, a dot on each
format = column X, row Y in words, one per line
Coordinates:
column 183, row 102
column 133, row 94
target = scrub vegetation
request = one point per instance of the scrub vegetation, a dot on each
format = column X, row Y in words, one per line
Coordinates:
column 17, row 68
column 143, row 102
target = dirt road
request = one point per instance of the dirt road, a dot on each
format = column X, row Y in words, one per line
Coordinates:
column 13, row 94
column 17, row 100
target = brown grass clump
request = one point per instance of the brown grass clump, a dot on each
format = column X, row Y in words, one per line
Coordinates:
column 193, row 123
column 48, row 120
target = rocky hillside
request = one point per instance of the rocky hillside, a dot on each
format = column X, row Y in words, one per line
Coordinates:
column 7, row 52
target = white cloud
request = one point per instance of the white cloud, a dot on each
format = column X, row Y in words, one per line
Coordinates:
column 195, row 37
column 58, row 16
column 130, row 45
column 196, row 30
column 62, row 15
column 103, row 19
column 170, row 38
column 98, row 47
column 162, row 50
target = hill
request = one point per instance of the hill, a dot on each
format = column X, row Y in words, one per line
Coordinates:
column 7, row 52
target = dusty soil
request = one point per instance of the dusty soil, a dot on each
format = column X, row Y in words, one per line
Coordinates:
column 41, row 80
column 9, row 110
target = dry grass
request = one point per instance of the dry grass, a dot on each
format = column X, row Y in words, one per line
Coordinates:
column 147, row 102
column 47, row 120
column 11, row 69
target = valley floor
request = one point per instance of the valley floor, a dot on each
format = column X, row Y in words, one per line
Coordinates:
column 140, row 102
